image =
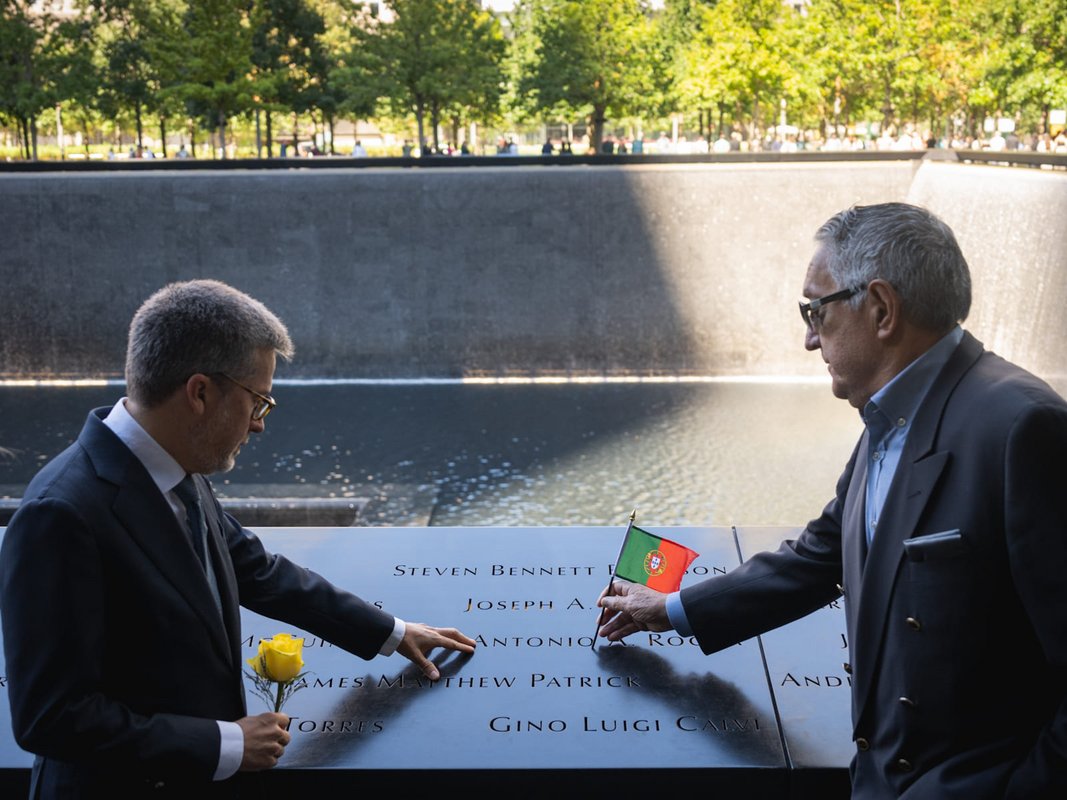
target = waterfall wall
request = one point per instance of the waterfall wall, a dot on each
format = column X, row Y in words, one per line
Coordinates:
column 648, row 269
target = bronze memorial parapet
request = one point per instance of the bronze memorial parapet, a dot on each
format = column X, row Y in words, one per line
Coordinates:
column 537, row 706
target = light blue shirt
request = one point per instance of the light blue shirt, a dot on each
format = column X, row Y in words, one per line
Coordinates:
column 166, row 473
column 888, row 416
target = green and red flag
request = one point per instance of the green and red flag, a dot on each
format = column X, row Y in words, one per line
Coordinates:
column 652, row 560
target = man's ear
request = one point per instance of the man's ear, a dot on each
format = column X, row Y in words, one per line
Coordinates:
column 884, row 304
column 195, row 393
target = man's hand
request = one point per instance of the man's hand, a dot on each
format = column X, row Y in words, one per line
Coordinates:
column 629, row 608
column 265, row 740
column 420, row 639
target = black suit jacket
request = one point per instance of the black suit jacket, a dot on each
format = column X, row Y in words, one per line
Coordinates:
column 957, row 617
column 119, row 661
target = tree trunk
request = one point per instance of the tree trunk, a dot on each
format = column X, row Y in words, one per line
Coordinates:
column 887, row 107
column 163, row 135
column 420, row 111
column 435, row 123
column 270, row 136
column 596, row 125
column 33, row 136
column 137, row 118
column 24, row 136
column 222, row 133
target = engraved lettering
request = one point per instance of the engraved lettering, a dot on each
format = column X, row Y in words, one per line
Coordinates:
column 822, row 681
column 508, row 725
column 619, row 725
column 661, row 640
column 502, row 570
column 336, row 726
column 402, row 570
column 534, row 641
column 337, row 683
column 696, row 724
column 507, row 605
column 540, row 680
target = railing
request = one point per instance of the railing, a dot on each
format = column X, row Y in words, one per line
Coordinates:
column 1017, row 158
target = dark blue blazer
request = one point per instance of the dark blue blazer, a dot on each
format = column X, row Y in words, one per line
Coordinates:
column 957, row 615
column 118, row 659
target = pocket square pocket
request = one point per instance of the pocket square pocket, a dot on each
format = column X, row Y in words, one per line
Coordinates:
column 935, row 545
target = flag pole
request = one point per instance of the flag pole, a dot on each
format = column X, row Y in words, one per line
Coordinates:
column 611, row 578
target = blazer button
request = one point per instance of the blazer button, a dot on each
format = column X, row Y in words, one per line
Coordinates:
column 863, row 744
column 907, row 702
column 904, row 765
column 914, row 624
column 847, row 667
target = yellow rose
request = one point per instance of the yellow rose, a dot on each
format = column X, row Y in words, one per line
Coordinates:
column 279, row 658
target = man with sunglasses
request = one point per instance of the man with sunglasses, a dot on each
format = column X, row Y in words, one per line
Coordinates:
column 121, row 577
column 947, row 536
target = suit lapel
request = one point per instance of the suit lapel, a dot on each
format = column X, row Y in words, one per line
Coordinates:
column 854, row 546
column 919, row 470
column 223, row 566
column 149, row 521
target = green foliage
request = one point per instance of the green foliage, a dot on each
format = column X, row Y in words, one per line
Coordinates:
column 938, row 64
column 592, row 58
column 438, row 58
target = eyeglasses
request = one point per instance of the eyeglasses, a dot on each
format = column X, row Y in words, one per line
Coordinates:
column 809, row 312
column 264, row 404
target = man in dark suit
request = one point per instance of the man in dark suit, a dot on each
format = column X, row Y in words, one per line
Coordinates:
column 947, row 535
column 121, row 577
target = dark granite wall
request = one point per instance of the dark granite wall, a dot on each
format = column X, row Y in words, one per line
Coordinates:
column 676, row 269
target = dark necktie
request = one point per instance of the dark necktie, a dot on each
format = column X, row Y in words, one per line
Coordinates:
column 194, row 515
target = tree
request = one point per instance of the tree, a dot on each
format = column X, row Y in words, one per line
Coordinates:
column 215, row 51
column 438, row 56
column 44, row 59
column 591, row 58
column 355, row 70
column 742, row 56
column 288, row 57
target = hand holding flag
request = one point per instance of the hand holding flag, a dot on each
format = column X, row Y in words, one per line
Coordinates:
column 648, row 562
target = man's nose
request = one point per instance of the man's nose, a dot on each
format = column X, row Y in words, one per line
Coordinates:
column 257, row 425
column 811, row 340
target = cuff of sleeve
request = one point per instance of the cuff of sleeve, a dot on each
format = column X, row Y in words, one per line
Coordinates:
column 676, row 614
column 394, row 639
column 231, row 749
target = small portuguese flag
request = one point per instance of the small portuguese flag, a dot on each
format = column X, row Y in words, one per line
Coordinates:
column 653, row 561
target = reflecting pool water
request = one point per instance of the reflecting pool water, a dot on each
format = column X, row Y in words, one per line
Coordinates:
column 458, row 455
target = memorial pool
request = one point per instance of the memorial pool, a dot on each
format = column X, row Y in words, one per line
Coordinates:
column 450, row 454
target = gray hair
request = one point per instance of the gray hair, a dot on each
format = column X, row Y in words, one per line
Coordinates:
column 908, row 247
column 197, row 326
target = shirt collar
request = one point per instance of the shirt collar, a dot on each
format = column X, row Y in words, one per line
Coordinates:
column 900, row 398
column 165, row 472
